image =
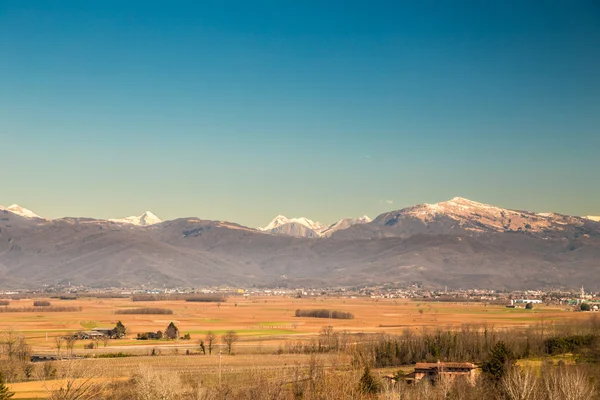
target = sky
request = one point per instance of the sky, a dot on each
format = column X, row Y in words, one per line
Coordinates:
column 239, row 110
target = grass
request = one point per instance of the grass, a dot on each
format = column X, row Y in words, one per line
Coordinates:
column 89, row 324
column 253, row 317
column 245, row 332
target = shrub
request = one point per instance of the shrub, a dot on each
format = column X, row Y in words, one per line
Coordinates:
column 207, row 298
column 114, row 355
column 41, row 303
column 148, row 297
column 567, row 344
column 146, row 310
column 38, row 309
column 324, row 313
column 585, row 307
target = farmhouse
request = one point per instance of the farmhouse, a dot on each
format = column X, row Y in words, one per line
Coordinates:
column 85, row 335
column 435, row 371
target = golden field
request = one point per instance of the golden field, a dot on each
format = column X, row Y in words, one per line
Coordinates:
column 264, row 325
column 261, row 320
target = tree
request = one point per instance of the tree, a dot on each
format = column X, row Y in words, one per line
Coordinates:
column 77, row 383
column 367, row 383
column 120, row 330
column 22, row 349
column 9, row 343
column 70, row 343
column 585, row 307
column 210, row 339
column 172, row 331
column 529, row 306
column 229, row 339
column 202, row 348
column 520, row 383
column 28, row 369
column 58, row 344
column 4, row 392
column 500, row 360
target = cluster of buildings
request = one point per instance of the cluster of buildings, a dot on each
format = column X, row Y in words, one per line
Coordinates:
column 517, row 298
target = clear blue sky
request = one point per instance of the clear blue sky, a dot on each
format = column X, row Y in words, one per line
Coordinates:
column 240, row 110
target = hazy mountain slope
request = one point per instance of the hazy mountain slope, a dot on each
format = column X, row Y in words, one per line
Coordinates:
column 462, row 216
column 457, row 243
column 342, row 224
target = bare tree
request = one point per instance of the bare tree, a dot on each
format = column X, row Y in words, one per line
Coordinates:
column 70, row 344
column 567, row 383
column 520, row 384
column 210, row 339
column 105, row 340
column 229, row 339
column 8, row 339
column 151, row 384
column 58, row 342
column 22, row 349
column 80, row 382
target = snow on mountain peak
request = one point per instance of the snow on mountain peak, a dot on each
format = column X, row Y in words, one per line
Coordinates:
column 283, row 220
column 364, row 219
column 23, row 212
column 146, row 219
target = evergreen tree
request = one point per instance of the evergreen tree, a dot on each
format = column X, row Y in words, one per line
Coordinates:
column 4, row 392
column 119, row 330
column 368, row 384
column 497, row 365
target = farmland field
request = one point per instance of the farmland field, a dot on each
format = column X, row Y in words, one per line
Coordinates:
column 264, row 325
column 262, row 319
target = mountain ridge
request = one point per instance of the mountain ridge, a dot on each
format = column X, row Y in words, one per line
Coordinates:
column 454, row 243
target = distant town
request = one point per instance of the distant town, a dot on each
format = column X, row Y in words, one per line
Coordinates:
column 570, row 298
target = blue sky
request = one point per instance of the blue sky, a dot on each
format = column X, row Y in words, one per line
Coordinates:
column 244, row 110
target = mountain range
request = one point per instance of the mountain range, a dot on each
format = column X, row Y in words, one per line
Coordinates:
column 456, row 243
column 304, row 227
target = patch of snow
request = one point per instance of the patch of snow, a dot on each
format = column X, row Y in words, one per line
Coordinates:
column 146, row 219
column 283, row 220
column 23, row 212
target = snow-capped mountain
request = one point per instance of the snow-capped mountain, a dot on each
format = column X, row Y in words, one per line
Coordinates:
column 593, row 217
column 460, row 214
column 459, row 243
column 344, row 223
column 146, row 219
column 281, row 220
column 304, row 227
column 21, row 211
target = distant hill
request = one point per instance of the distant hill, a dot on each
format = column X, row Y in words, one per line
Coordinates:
column 458, row 243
